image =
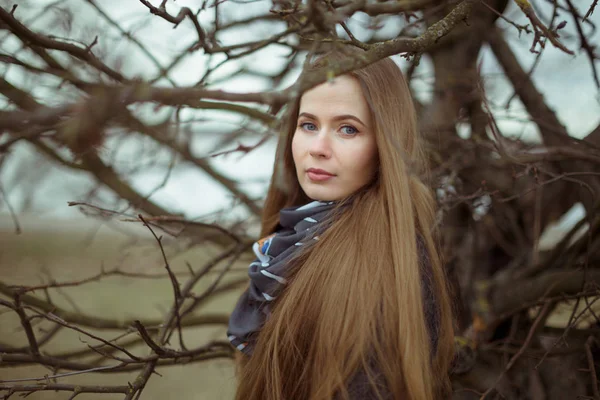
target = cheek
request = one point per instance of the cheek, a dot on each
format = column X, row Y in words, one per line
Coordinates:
column 364, row 159
column 296, row 148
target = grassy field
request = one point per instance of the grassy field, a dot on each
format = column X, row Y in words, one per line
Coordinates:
column 72, row 250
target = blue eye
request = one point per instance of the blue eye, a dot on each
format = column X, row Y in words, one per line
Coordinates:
column 308, row 126
column 349, row 130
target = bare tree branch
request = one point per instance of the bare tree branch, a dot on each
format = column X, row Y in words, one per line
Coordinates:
column 94, row 321
column 539, row 26
column 552, row 130
column 84, row 54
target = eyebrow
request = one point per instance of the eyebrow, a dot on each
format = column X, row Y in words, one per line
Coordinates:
column 336, row 118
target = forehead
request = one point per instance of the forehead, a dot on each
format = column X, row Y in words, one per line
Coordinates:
column 343, row 95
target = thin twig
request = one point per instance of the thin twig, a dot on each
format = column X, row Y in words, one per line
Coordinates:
column 178, row 299
column 11, row 210
column 532, row 330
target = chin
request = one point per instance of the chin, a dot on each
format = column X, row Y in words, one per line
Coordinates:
column 321, row 198
column 320, row 193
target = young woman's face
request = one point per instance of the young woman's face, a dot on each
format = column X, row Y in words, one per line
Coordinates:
column 334, row 147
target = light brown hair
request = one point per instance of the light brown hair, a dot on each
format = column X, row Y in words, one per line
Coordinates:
column 354, row 299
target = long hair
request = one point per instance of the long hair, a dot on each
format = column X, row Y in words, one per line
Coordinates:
column 354, row 299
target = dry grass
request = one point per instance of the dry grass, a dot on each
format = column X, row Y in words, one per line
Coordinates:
column 66, row 251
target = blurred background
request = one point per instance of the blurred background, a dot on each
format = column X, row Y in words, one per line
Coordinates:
column 113, row 109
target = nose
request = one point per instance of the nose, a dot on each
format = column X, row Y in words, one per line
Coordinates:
column 320, row 147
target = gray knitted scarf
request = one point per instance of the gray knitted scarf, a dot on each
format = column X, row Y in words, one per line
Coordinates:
column 298, row 226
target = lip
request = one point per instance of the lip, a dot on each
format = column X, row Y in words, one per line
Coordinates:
column 318, row 175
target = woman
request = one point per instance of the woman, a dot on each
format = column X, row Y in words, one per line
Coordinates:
column 348, row 298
